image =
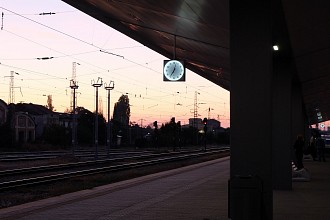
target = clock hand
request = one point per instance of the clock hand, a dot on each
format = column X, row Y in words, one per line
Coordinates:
column 173, row 69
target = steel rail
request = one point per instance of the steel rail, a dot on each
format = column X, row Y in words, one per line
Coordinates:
column 42, row 155
column 56, row 177
column 30, row 170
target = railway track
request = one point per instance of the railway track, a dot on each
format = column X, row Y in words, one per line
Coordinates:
column 59, row 167
column 45, row 155
column 13, row 179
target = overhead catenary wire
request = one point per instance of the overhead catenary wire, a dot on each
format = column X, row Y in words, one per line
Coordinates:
column 81, row 41
column 122, row 92
column 2, row 14
column 61, row 32
column 135, row 83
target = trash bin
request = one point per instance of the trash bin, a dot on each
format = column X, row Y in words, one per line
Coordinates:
column 245, row 197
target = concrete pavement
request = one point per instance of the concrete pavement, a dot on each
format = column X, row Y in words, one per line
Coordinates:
column 194, row 192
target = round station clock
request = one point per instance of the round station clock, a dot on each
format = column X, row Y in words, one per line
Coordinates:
column 174, row 70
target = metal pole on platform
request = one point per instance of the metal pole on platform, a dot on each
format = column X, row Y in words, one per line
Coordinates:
column 109, row 88
column 74, row 86
column 96, row 85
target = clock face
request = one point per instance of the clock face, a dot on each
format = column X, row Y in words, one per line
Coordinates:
column 174, row 70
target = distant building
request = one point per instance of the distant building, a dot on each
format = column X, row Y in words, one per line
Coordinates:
column 24, row 127
column 3, row 112
column 28, row 121
column 219, row 130
column 41, row 116
column 65, row 119
column 21, row 123
column 197, row 121
column 211, row 123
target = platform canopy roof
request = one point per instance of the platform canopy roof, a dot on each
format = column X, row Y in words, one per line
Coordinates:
column 197, row 31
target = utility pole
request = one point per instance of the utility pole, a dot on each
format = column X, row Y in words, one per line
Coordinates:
column 73, row 78
column 109, row 87
column 74, row 86
column 96, row 85
column 209, row 113
column 195, row 110
column 142, row 121
column 11, row 87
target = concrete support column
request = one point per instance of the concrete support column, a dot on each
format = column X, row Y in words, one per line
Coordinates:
column 251, row 108
column 299, row 118
column 282, row 136
column 283, row 72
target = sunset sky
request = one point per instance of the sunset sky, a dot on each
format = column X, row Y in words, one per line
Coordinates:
column 71, row 36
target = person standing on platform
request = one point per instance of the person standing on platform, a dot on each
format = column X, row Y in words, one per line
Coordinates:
column 312, row 146
column 320, row 144
column 299, row 151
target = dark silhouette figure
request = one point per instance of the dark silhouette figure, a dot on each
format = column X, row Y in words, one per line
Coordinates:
column 178, row 134
column 299, row 150
column 205, row 131
column 312, row 147
column 312, row 144
column 320, row 144
column 156, row 134
column 174, row 135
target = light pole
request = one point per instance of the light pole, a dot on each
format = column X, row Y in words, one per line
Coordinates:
column 74, row 86
column 96, row 85
column 208, row 116
column 109, row 87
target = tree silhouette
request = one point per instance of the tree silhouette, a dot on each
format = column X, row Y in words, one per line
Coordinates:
column 50, row 102
column 122, row 111
column 85, row 128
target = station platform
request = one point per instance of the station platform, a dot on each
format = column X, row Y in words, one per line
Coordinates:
column 194, row 192
column 307, row 200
